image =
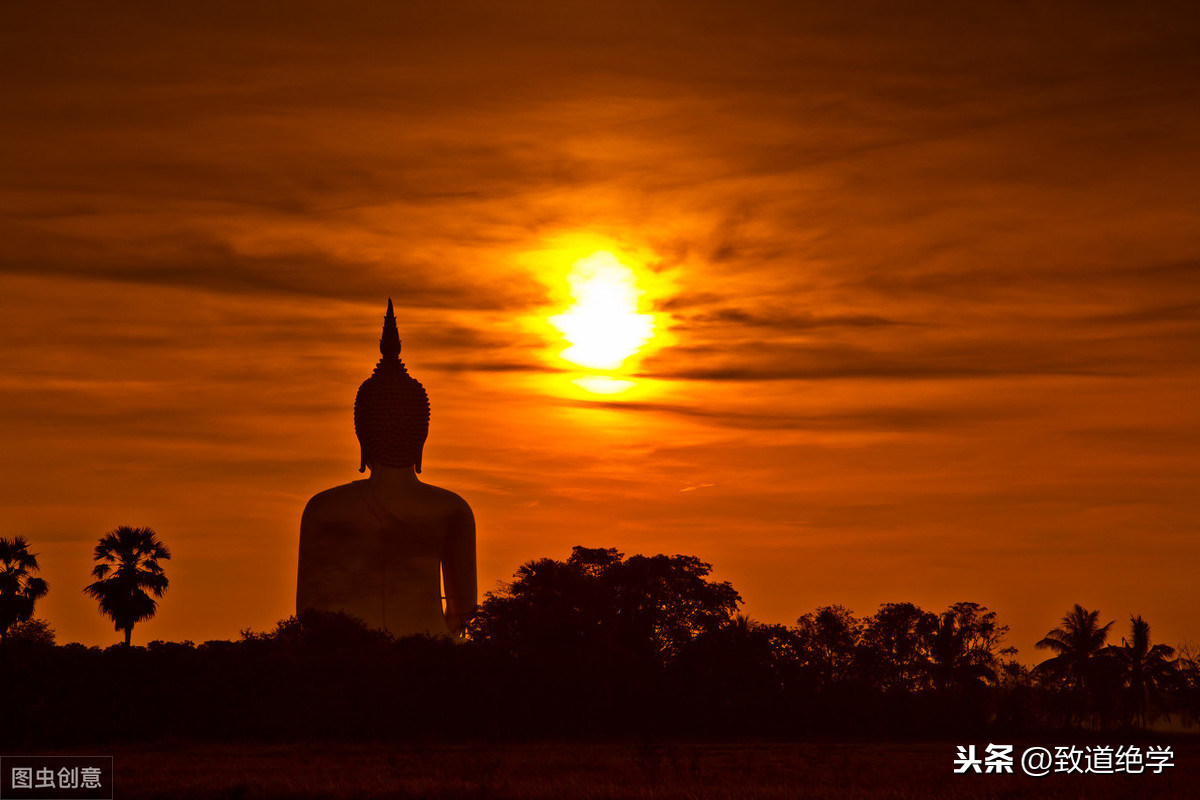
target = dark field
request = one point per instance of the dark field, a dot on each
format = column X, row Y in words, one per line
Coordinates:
column 603, row 771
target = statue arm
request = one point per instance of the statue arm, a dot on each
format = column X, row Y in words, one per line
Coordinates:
column 305, row 566
column 459, row 571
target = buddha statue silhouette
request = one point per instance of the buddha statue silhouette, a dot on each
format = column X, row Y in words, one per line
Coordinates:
column 381, row 549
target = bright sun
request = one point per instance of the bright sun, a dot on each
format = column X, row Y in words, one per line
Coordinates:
column 603, row 326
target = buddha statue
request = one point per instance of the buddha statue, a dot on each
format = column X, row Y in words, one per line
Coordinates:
column 382, row 549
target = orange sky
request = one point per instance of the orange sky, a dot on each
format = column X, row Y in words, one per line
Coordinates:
column 929, row 290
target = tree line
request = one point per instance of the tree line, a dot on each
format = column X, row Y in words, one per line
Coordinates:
column 598, row 644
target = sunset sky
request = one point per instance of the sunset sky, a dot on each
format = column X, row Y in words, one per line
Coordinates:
column 925, row 292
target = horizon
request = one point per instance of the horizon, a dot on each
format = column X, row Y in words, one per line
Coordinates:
column 892, row 307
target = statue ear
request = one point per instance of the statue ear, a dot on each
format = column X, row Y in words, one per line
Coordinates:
column 418, row 464
column 362, row 464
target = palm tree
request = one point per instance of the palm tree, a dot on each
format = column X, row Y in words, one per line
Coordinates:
column 19, row 590
column 129, row 570
column 1077, row 643
column 1148, row 669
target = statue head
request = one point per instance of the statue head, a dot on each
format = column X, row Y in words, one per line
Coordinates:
column 391, row 411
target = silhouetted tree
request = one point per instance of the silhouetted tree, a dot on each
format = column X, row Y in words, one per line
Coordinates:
column 964, row 647
column 644, row 608
column 1078, row 644
column 32, row 633
column 894, row 649
column 1188, row 686
column 1016, row 696
column 322, row 630
column 1149, row 669
column 19, row 589
column 597, row 633
column 828, row 640
column 742, row 670
column 128, row 575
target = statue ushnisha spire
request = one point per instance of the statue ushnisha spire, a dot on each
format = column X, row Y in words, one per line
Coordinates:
column 391, row 411
column 389, row 343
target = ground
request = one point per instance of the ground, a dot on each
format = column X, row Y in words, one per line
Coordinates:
column 645, row 770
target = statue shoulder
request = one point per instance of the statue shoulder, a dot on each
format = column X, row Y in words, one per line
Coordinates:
column 332, row 503
column 450, row 501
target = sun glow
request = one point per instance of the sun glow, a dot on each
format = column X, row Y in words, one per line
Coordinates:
column 602, row 384
column 603, row 326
